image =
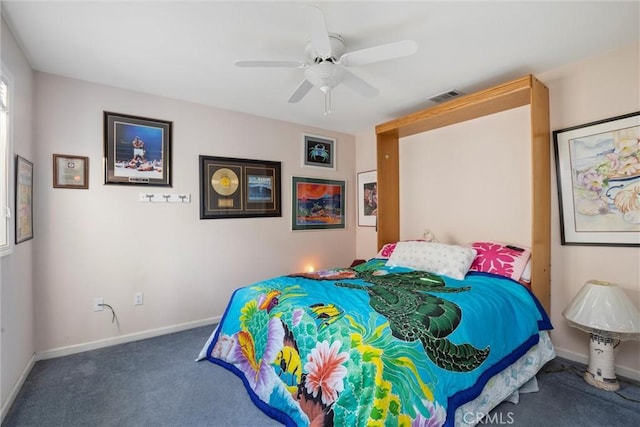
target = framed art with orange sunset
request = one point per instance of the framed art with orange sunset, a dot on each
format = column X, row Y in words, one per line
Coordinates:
column 317, row 204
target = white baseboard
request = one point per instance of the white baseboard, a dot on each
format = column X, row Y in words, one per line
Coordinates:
column 621, row 371
column 107, row 342
column 6, row 405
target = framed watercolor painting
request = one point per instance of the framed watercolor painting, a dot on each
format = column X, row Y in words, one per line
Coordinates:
column 137, row 150
column 318, row 152
column 317, row 204
column 367, row 198
column 24, row 200
column 239, row 188
column 598, row 172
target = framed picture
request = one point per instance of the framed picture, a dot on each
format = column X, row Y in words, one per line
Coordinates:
column 239, row 188
column 317, row 204
column 598, row 170
column 24, row 200
column 318, row 152
column 137, row 150
column 70, row 171
column 367, row 198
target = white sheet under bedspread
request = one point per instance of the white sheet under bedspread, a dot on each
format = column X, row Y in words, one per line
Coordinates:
column 503, row 384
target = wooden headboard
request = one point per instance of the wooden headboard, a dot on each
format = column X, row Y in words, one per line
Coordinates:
column 516, row 93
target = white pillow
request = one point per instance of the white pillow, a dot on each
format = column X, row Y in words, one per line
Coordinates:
column 439, row 258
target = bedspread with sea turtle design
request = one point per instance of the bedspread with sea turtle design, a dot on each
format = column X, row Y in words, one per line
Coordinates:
column 373, row 345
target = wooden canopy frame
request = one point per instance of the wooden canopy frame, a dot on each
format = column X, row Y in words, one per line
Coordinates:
column 526, row 90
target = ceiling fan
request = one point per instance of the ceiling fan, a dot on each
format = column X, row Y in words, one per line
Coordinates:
column 326, row 63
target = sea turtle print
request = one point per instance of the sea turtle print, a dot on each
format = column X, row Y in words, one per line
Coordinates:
column 415, row 314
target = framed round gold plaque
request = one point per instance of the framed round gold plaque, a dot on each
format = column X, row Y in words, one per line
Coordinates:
column 239, row 188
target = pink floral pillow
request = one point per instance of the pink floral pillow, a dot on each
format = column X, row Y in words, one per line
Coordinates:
column 386, row 251
column 502, row 259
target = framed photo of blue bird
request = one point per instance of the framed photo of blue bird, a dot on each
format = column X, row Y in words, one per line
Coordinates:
column 318, row 152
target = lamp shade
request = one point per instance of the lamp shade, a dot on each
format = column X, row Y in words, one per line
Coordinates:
column 602, row 308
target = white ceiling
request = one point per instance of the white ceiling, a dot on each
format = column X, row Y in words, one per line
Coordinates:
column 185, row 50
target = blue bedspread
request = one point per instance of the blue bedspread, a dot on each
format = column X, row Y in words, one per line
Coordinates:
column 373, row 345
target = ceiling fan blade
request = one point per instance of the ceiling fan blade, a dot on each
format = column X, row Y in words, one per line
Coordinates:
column 300, row 91
column 356, row 84
column 319, row 36
column 379, row 53
column 271, row 64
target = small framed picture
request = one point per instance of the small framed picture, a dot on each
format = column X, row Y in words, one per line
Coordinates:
column 70, row 171
column 598, row 174
column 317, row 204
column 318, row 152
column 137, row 150
column 367, row 198
column 24, row 200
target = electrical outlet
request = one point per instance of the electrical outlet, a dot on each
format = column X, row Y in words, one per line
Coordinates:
column 97, row 304
column 138, row 298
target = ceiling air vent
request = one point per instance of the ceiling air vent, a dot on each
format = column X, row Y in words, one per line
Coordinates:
column 445, row 96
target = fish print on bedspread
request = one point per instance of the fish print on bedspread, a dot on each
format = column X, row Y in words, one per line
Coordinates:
column 351, row 372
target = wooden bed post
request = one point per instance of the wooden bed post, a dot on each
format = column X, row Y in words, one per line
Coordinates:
column 388, row 217
column 540, row 193
column 526, row 90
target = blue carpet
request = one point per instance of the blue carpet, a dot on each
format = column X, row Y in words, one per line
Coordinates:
column 156, row 382
column 565, row 399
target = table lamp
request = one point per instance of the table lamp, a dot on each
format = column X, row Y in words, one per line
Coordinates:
column 605, row 311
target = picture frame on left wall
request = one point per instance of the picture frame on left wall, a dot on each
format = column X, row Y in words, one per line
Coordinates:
column 70, row 171
column 24, row 199
column 137, row 150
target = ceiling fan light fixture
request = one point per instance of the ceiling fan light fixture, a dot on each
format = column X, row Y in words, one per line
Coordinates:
column 324, row 74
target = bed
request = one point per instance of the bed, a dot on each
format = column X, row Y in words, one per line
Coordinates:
column 408, row 337
column 382, row 343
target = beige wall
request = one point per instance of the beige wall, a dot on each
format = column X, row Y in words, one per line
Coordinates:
column 366, row 237
column 450, row 182
column 594, row 89
column 583, row 92
column 16, row 279
column 103, row 242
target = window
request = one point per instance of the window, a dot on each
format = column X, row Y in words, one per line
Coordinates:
column 5, row 163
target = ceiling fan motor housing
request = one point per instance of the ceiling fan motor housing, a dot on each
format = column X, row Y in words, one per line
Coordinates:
column 337, row 49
